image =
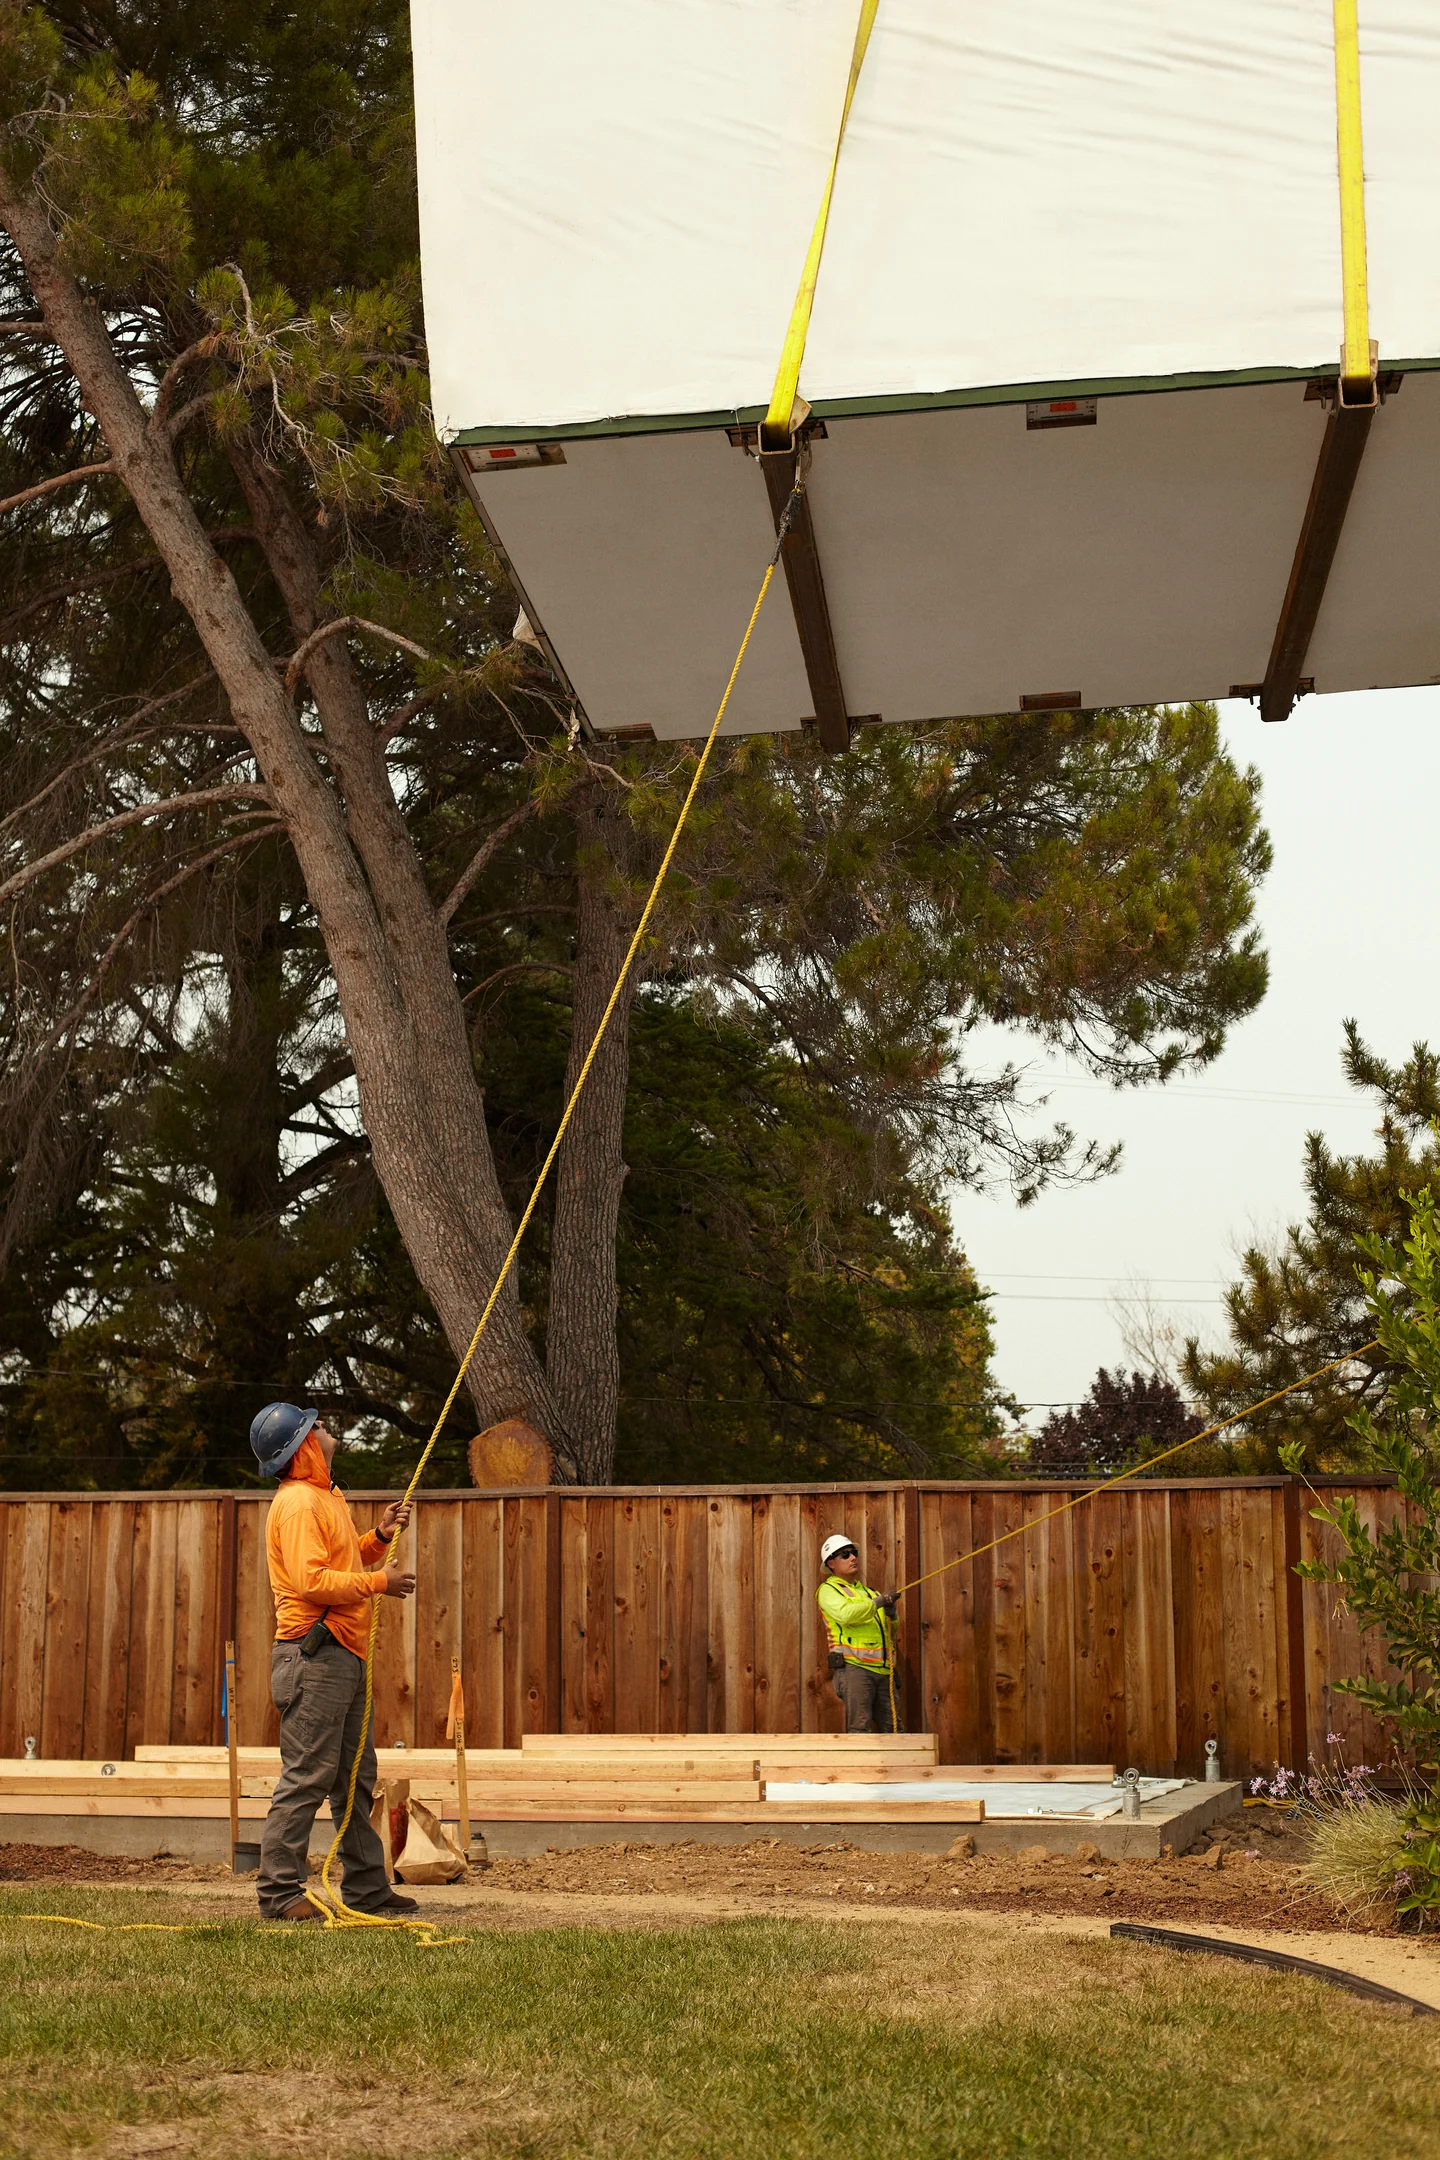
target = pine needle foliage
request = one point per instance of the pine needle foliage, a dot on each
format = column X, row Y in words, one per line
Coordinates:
column 1302, row 1305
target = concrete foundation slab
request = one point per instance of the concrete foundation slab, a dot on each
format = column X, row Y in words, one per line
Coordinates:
column 1176, row 1820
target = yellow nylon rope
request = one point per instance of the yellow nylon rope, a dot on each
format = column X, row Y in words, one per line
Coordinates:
column 775, row 432
column 327, row 1900
column 329, row 1903
column 1136, row 1470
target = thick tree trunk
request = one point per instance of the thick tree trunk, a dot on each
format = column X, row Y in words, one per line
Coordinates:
column 418, row 1097
column 582, row 1355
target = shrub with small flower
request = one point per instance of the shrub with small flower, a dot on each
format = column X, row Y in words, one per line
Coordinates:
column 1389, row 1580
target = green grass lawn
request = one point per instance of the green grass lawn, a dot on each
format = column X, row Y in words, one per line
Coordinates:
column 753, row 2037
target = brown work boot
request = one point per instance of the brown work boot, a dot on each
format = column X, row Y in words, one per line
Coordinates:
column 300, row 1908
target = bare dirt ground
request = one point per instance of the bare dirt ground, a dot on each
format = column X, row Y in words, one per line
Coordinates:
column 1241, row 1882
column 1244, row 1873
column 72, row 1863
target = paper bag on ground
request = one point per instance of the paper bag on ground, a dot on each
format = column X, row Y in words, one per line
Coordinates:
column 388, row 1819
column 431, row 1854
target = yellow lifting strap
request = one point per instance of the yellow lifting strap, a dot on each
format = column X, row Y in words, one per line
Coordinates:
column 1357, row 361
column 776, row 429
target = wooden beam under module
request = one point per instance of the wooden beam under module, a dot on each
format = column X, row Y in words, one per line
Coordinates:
column 1347, row 430
column 800, row 558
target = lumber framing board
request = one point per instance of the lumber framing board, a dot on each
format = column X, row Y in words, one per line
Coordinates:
column 1347, row 430
column 780, row 1770
column 800, row 559
column 552, row 1793
column 838, row 1744
column 755, row 1815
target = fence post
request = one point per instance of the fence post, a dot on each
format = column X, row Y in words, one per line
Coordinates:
column 227, row 1588
column 554, row 1660
column 1295, row 1629
column 232, row 1745
column 912, row 1639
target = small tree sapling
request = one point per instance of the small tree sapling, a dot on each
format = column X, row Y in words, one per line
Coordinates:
column 1389, row 1579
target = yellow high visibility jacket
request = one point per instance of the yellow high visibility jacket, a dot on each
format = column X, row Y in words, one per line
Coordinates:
column 854, row 1623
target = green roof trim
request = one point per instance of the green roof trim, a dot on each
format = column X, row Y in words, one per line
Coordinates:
column 914, row 401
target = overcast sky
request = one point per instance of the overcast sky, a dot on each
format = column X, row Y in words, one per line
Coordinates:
column 1348, row 914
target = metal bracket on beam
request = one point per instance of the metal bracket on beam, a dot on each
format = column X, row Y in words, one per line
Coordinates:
column 801, row 561
column 1347, row 430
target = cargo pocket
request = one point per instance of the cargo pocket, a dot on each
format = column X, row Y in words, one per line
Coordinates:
column 284, row 1675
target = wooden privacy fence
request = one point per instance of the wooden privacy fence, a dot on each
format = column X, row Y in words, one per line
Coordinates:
column 1130, row 1629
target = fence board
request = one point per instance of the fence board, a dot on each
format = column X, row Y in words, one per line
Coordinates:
column 777, row 1613
column 1099, row 1631
column 1149, row 1640
column 259, row 1721
column 155, row 1583
column 62, row 1717
column 1128, row 1629
column 32, row 1577
column 684, row 1680
column 526, row 1604
column 950, row 1681
column 396, row 1648
column 982, row 1532
column 107, row 1646
column 574, row 1557
column 1198, row 1592
column 599, row 1614
column 1008, row 1627
column 199, row 1647
column 731, row 1603
column 10, row 1518
column 483, row 1624
column 435, row 1540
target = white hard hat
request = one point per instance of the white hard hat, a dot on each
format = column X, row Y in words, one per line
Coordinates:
column 833, row 1545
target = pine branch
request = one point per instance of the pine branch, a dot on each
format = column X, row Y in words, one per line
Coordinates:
column 98, row 578
column 401, row 719
column 129, row 733
column 59, row 480
column 483, row 855
column 199, row 799
column 202, row 349
column 128, row 928
column 299, row 658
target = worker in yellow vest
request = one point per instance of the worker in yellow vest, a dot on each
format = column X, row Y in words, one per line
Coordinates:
column 862, row 1649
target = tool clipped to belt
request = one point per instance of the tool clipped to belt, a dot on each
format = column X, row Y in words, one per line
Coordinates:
column 318, row 1636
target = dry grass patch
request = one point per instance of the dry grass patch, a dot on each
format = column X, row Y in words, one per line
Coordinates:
column 795, row 2039
column 1354, row 1853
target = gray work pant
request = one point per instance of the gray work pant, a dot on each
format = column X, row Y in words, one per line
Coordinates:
column 321, row 1701
column 866, row 1696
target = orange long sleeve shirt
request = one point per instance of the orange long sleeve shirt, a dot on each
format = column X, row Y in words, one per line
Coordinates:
column 317, row 1556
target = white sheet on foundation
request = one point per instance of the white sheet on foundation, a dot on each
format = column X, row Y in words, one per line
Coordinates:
column 1001, row 1796
column 616, row 201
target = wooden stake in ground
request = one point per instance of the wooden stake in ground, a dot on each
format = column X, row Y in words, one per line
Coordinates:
column 455, row 1730
column 232, row 1749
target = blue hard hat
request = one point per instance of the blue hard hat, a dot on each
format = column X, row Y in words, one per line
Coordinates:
column 276, row 1435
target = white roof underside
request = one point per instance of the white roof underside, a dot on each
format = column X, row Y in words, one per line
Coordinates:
column 616, row 200
column 970, row 562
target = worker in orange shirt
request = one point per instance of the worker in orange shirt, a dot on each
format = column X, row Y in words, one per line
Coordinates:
column 322, row 1588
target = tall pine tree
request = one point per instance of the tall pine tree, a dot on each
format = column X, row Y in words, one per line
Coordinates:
column 259, row 671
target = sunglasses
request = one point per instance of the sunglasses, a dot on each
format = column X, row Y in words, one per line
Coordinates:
column 846, row 1552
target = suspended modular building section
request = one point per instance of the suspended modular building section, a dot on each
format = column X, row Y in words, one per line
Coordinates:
column 1075, row 432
